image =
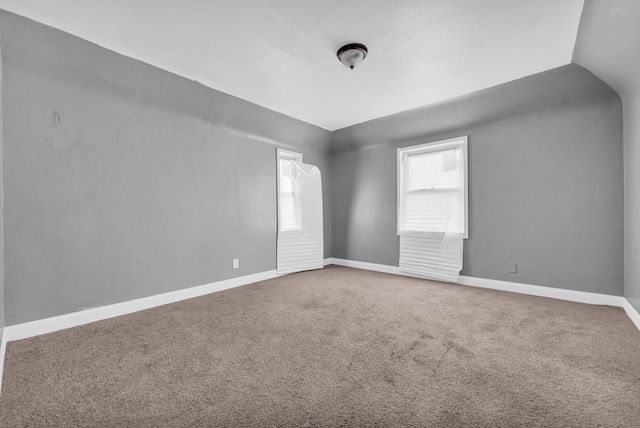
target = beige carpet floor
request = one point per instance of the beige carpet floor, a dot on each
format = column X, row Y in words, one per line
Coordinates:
column 335, row 347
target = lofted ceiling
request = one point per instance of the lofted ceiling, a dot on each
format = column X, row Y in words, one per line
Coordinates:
column 281, row 54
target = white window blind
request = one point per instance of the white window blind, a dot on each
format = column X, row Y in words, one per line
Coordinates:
column 300, row 222
column 432, row 208
column 289, row 216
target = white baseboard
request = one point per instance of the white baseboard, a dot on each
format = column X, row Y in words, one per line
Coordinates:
column 3, row 348
column 49, row 325
column 61, row 322
column 542, row 291
column 632, row 313
column 514, row 287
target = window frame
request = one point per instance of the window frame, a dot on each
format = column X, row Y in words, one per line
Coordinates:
column 282, row 154
column 435, row 146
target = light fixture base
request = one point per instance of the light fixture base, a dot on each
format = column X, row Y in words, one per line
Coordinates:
column 352, row 54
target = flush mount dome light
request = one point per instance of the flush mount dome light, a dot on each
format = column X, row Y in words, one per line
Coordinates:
column 352, row 54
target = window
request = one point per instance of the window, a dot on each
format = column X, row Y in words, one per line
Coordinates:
column 432, row 188
column 289, row 207
column 300, row 225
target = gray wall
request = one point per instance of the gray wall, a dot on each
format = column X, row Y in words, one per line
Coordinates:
column 123, row 180
column 545, row 187
column 2, row 321
column 607, row 45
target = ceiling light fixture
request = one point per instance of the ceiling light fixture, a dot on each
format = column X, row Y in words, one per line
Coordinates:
column 352, row 54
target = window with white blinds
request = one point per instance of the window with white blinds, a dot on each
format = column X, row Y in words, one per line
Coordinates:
column 300, row 243
column 432, row 188
column 289, row 193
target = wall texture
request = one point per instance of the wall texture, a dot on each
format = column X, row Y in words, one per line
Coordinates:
column 123, row 180
column 545, row 174
column 607, row 44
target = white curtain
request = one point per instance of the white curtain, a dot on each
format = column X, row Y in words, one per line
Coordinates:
column 300, row 230
column 431, row 213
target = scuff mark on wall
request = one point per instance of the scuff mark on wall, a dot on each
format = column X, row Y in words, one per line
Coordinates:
column 54, row 118
column 212, row 198
column 118, row 86
column 186, row 146
column 220, row 199
column 168, row 125
column 59, row 140
column 59, row 133
column 120, row 128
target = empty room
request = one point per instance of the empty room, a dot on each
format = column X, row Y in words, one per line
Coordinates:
column 304, row 213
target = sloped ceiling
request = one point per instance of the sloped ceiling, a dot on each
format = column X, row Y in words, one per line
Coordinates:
column 607, row 43
column 281, row 53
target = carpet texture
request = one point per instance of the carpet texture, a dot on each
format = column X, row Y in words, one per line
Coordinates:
column 335, row 347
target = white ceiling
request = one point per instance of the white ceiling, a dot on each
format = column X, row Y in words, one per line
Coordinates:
column 281, row 53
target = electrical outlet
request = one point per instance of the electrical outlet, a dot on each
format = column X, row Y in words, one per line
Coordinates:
column 513, row 268
column 236, row 263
